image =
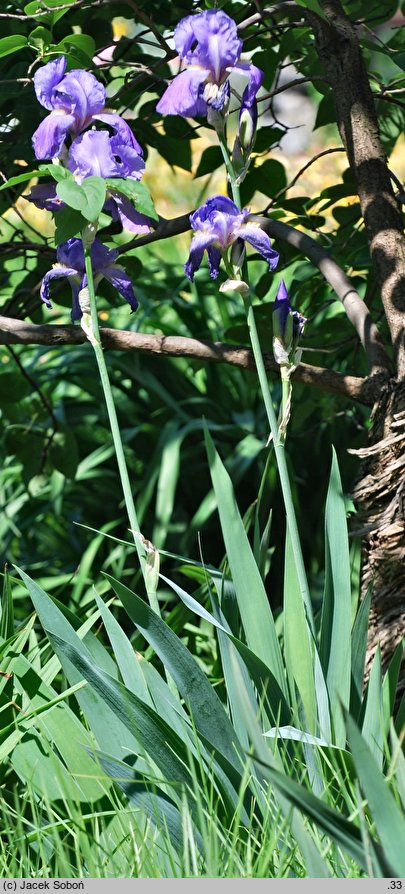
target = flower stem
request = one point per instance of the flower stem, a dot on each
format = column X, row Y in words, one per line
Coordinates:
column 92, row 330
column 281, row 460
column 268, row 403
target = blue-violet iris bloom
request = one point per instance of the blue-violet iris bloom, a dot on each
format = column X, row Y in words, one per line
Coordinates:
column 218, row 224
column 70, row 264
column 209, row 45
column 74, row 100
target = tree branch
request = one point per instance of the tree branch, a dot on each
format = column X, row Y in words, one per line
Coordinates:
column 20, row 332
column 354, row 306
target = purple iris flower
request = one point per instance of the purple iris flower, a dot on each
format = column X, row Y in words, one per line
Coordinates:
column 209, row 44
column 70, row 264
column 218, row 224
column 75, row 100
column 96, row 153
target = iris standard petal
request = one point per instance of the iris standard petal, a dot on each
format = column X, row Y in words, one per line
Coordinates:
column 121, row 209
column 58, row 271
column 222, row 227
column 101, row 256
column 90, row 154
column 182, row 96
column 71, row 254
column 121, row 130
column 82, row 94
column 259, row 240
column 210, row 40
column 219, row 46
column 199, row 243
column 216, row 203
column 118, row 277
column 46, row 79
column 49, row 137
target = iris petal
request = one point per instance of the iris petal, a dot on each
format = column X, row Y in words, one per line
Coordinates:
column 122, row 130
column 121, row 209
column 199, row 243
column 118, row 277
column 214, row 260
column 218, row 45
column 182, row 96
column 56, row 273
column 82, row 94
column 259, row 240
column 49, row 137
column 90, row 154
column 46, row 79
column 44, row 196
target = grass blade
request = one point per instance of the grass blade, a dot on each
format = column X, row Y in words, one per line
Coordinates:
column 253, row 603
column 206, row 708
column 335, row 647
column 389, row 821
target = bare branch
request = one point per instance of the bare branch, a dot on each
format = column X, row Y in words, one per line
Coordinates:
column 20, row 332
column 286, row 7
column 302, row 171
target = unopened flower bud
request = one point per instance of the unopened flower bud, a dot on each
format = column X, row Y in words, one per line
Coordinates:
column 288, row 326
column 247, row 127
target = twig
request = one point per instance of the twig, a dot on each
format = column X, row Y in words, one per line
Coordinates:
column 295, row 83
column 302, row 171
column 44, row 400
column 269, row 12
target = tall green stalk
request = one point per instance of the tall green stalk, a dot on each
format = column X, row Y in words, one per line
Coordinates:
column 92, row 330
column 271, row 416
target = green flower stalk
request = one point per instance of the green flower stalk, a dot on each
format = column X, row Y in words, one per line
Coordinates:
column 288, row 326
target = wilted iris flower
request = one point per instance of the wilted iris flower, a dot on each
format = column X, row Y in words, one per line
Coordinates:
column 209, row 45
column 70, row 264
column 75, row 100
column 288, row 326
column 218, row 224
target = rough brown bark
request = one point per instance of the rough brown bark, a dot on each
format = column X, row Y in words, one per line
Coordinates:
column 380, row 495
column 339, row 51
column 380, row 492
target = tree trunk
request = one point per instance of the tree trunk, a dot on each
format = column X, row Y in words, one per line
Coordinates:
column 380, row 492
column 380, row 495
